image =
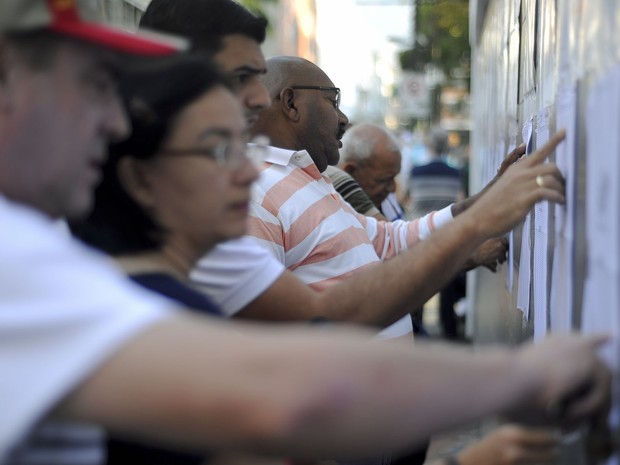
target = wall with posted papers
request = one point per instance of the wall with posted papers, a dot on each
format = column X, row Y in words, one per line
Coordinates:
column 540, row 66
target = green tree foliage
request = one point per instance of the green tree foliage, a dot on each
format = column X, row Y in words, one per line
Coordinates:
column 442, row 29
column 256, row 6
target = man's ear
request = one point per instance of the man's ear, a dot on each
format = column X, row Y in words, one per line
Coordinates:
column 349, row 167
column 289, row 104
column 133, row 176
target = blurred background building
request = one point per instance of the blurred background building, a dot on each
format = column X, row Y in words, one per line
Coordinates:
column 403, row 63
column 298, row 37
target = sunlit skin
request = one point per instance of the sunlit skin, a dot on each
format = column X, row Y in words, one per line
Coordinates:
column 324, row 124
column 242, row 60
column 302, row 119
column 76, row 95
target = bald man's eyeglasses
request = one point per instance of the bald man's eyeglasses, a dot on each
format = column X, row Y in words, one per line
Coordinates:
column 335, row 102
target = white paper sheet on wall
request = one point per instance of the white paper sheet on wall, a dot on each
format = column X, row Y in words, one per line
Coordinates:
column 523, row 293
column 546, row 43
column 510, row 262
column 569, row 13
column 601, row 303
column 540, row 271
column 510, row 275
column 561, row 299
column 566, row 118
column 514, row 42
column 528, row 40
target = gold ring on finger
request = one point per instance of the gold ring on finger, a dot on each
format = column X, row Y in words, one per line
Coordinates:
column 540, row 181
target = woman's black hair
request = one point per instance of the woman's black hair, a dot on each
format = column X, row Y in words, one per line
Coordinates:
column 153, row 97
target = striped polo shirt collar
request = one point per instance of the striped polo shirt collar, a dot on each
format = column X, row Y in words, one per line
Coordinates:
column 300, row 159
column 279, row 156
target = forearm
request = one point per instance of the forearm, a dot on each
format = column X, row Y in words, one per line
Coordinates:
column 459, row 207
column 382, row 294
column 407, row 418
column 295, row 392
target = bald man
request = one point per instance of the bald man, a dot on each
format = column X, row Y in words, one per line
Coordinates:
column 298, row 215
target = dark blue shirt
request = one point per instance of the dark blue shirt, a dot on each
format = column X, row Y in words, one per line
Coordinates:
column 122, row 452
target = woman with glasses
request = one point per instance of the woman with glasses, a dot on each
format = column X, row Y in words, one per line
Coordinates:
column 180, row 184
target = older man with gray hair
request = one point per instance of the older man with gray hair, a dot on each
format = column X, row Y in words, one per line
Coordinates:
column 371, row 155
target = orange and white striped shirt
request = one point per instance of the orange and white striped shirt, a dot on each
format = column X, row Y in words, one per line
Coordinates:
column 298, row 215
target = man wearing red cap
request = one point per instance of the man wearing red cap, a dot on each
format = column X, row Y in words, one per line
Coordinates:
column 59, row 110
column 78, row 342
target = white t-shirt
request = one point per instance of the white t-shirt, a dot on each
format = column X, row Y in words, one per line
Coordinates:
column 236, row 272
column 63, row 310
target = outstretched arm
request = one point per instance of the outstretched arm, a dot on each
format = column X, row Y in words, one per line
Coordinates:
column 383, row 293
column 312, row 393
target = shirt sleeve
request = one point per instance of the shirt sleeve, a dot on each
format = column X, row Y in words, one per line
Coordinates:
column 393, row 237
column 267, row 230
column 236, row 272
column 63, row 310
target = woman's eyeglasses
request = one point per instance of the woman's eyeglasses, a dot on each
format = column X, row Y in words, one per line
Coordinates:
column 229, row 154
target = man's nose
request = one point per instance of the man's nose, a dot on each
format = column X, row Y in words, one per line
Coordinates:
column 116, row 122
column 258, row 95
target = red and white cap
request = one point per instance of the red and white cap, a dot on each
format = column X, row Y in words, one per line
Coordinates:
column 79, row 19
